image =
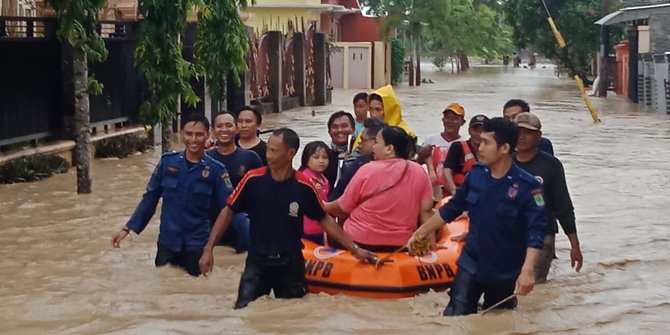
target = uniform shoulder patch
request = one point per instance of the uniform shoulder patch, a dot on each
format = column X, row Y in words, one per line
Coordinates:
column 226, row 180
column 537, row 197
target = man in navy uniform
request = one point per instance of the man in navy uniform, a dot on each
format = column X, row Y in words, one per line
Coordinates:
column 276, row 198
column 507, row 225
column 191, row 185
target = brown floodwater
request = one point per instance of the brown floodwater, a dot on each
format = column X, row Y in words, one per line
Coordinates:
column 60, row 275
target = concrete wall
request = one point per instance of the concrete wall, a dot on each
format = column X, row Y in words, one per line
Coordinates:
column 660, row 33
column 380, row 64
column 644, row 39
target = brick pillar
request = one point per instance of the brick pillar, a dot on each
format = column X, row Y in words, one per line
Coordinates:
column 299, row 66
column 275, row 77
column 320, row 53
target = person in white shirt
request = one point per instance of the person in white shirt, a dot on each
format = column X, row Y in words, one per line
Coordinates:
column 453, row 117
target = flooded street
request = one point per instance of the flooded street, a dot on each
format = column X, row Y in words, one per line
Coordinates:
column 60, row 275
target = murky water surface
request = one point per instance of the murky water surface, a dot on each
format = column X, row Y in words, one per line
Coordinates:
column 59, row 274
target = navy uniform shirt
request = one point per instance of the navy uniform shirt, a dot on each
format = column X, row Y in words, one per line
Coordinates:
column 189, row 195
column 276, row 210
column 507, row 216
column 237, row 163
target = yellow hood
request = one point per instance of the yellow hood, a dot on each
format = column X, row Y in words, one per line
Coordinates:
column 392, row 109
column 392, row 113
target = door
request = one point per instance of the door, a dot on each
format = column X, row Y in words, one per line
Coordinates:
column 359, row 74
column 337, row 68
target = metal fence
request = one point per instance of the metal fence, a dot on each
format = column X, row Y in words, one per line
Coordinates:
column 36, row 84
column 653, row 77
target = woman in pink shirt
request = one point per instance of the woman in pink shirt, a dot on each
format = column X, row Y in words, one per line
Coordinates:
column 387, row 199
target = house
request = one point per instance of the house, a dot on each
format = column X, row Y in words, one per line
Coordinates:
column 643, row 58
column 275, row 15
column 18, row 8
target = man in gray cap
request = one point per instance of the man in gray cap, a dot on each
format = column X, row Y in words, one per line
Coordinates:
column 548, row 170
column 462, row 156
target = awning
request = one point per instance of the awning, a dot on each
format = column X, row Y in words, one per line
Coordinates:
column 633, row 13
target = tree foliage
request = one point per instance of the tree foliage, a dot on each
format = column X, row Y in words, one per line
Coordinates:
column 221, row 42
column 473, row 28
column 159, row 57
column 220, row 47
column 397, row 61
column 575, row 20
column 78, row 20
column 78, row 26
column 469, row 27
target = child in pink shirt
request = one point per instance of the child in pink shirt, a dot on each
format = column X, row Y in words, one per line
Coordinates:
column 313, row 164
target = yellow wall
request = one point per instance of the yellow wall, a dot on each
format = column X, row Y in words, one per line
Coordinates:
column 277, row 18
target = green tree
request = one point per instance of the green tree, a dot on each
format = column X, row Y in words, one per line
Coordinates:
column 78, row 20
column 408, row 17
column 159, row 57
column 574, row 19
column 221, row 43
column 397, row 61
column 220, row 47
column 467, row 27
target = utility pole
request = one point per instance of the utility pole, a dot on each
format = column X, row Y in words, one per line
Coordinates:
column 603, row 56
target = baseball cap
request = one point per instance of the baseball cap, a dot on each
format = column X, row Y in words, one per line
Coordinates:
column 528, row 121
column 456, row 108
column 478, row 120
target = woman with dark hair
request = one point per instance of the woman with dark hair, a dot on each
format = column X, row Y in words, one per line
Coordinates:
column 384, row 105
column 313, row 164
column 248, row 121
column 387, row 199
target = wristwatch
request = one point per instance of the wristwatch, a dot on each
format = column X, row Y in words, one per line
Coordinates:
column 126, row 229
column 355, row 247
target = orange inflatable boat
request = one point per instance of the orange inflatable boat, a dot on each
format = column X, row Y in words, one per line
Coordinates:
column 335, row 271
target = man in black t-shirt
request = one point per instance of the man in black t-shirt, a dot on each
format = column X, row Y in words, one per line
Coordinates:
column 276, row 198
column 548, row 170
column 515, row 106
column 462, row 156
column 237, row 161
